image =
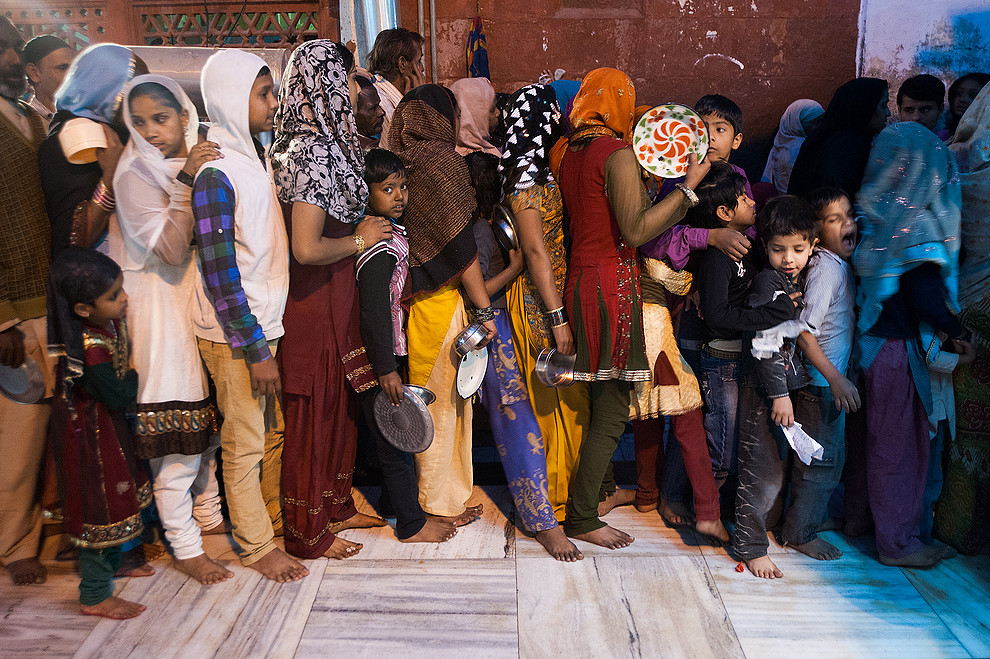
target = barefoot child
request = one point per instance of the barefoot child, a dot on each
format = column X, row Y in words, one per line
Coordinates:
column 381, row 275
column 103, row 489
column 503, row 392
column 789, row 229
column 821, row 407
column 723, row 286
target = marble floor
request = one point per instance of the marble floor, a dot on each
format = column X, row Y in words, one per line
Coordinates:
column 493, row 592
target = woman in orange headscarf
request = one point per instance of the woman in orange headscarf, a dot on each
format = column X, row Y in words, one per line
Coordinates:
column 610, row 216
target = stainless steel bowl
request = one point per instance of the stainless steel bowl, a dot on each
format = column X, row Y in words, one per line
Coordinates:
column 555, row 369
column 504, row 227
column 469, row 339
column 425, row 394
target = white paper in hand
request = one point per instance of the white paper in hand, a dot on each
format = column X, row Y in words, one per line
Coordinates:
column 803, row 444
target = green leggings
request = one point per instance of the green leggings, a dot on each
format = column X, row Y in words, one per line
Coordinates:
column 97, row 567
column 609, row 415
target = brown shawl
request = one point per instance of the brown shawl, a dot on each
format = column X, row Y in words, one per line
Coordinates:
column 441, row 199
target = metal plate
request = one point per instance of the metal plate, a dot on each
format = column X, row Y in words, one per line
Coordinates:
column 24, row 384
column 407, row 426
column 471, row 372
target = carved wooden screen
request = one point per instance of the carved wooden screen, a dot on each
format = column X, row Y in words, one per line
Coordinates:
column 79, row 23
column 233, row 24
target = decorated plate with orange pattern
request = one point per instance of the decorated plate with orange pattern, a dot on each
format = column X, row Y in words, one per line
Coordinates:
column 665, row 135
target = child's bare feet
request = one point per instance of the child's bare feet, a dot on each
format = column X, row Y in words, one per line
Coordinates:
column 713, row 532
column 341, row 549
column 557, row 545
column 358, row 521
column 435, row 530
column 113, row 608
column 222, row 527
column 675, row 514
column 141, row 570
column 606, row 537
column 27, row 571
column 470, row 514
column 203, row 569
column 819, row 549
column 279, row 566
column 618, row 498
column 764, row 568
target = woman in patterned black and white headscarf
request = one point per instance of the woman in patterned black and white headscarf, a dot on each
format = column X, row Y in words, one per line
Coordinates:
column 319, row 168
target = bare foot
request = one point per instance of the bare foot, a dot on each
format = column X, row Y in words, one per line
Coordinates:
column 135, row 570
column 357, row 521
column 557, row 545
column 435, row 530
column 279, row 566
column 713, row 531
column 764, row 568
column 222, row 527
column 341, row 549
column 606, row 537
column 675, row 514
column 469, row 515
column 924, row 557
column 113, row 608
column 203, row 569
column 819, row 549
column 618, row 498
column 27, row 571
column 645, row 506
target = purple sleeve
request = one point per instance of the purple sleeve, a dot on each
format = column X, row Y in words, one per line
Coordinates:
column 676, row 244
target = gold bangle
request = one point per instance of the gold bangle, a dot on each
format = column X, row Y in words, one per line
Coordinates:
column 359, row 242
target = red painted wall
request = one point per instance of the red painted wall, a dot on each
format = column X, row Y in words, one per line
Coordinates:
column 788, row 49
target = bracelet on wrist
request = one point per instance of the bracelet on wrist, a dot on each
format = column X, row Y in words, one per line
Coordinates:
column 557, row 317
column 185, row 178
column 483, row 314
column 359, row 242
column 104, row 198
column 691, row 195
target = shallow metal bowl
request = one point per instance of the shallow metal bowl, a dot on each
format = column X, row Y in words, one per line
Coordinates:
column 504, row 227
column 555, row 369
column 425, row 394
column 469, row 339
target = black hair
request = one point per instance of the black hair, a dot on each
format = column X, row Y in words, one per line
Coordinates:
column 80, row 274
column 721, row 186
column 265, row 71
column 787, row 215
column 379, row 164
column 979, row 78
column 364, row 82
column 721, row 106
column 485, row 180
column 822, row 197
column 924, row 87
column 389, row 46
column 156, row 91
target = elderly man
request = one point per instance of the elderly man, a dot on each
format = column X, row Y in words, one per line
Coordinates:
column 397, row 62
column 46, row 61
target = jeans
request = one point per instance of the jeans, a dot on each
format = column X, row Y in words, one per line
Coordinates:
column 720, row 389
column 812, row 485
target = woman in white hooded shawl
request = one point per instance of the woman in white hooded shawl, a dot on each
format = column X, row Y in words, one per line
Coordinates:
column 151, row 242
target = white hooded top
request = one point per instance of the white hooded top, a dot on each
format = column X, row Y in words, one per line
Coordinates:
column 261, row 244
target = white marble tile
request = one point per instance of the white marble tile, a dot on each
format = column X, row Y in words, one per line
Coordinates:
column 959, row 591
column 43, row 620
column 491, row 536
column 414, row 608
column 246, row 615
column 653, row 538
column 864, row 544
column 852, row 607
column 617, row 606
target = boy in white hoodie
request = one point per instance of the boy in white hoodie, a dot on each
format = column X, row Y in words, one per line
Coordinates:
column 243, row 258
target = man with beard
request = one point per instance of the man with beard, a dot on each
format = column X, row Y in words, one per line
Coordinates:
column 46, row 59
column 24, row 258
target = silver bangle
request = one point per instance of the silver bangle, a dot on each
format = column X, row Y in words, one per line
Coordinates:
column 483, row 314
column 691, row 195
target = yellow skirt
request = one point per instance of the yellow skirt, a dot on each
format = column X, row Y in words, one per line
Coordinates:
column 562, row 414
column 444, row 471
